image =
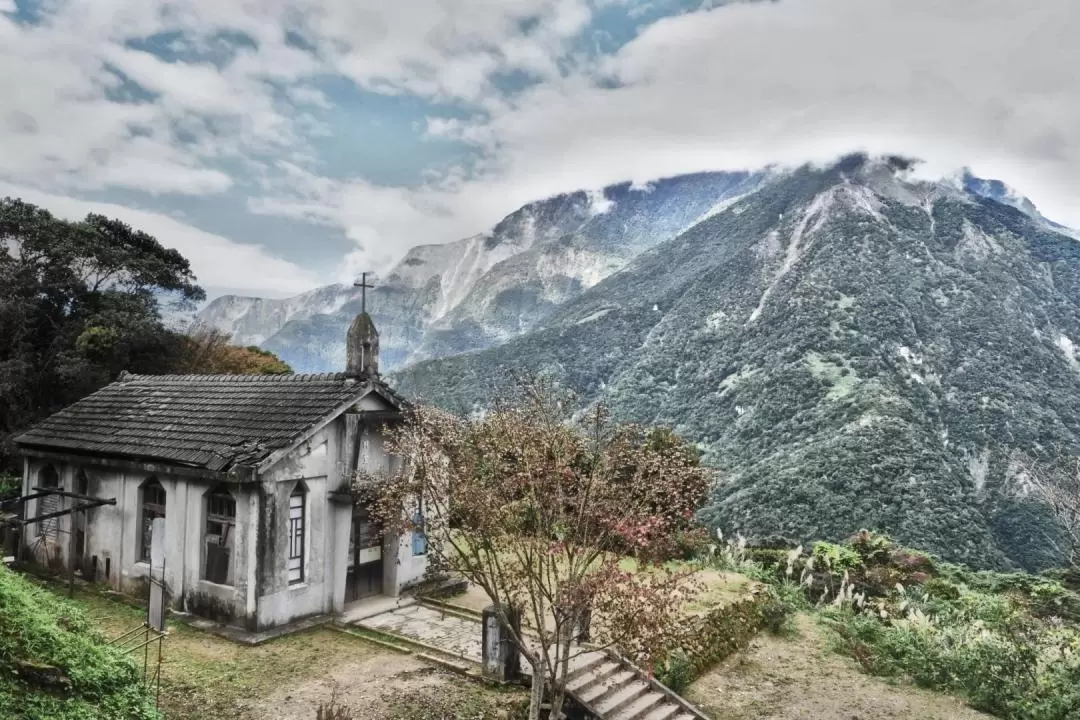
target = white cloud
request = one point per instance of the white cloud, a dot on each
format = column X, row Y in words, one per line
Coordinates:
column 985, row 83
column 989, row 84
column 216, row 261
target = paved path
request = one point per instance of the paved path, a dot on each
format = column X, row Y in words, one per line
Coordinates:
column 447, row 632
column 604, row 685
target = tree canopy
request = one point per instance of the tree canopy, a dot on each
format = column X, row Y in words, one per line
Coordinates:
column 568, row 525
column 81, row 301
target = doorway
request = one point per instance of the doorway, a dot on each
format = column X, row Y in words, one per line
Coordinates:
column 364, row 574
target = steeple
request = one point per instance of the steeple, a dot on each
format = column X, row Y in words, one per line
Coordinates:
column 362, row 342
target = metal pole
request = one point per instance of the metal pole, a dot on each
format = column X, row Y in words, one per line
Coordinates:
column 146, row 654
column 157, row 696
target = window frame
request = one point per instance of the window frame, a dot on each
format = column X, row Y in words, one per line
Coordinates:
column 146, row 529
column 296, row 529
column 217, row 500
column 419, row 532
column 49, row 529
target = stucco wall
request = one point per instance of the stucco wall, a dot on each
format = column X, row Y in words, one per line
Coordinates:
column 112, row 537
column 313, row 465
column 260, row 596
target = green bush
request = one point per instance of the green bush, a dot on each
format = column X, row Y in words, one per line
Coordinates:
column 835, row 558
column 677, row 671
column 10, row 485
column 93, row 680
column 988, row 649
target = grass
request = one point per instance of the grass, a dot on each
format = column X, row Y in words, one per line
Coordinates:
column 208, row 677
column 718, row 588
column 204, row 676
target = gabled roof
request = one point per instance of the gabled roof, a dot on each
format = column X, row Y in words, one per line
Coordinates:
column 205, row 421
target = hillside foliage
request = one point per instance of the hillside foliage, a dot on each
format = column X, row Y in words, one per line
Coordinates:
column 54, row 664
column 1006, row 643
column 849, row 347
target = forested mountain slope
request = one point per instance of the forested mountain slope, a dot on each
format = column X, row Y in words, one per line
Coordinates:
column 853, row 348
column 483, row 290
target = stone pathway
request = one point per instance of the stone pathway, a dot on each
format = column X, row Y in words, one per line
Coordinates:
column 447, row 632
column 605, row 686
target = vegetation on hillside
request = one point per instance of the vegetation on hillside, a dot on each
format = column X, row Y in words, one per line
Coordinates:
column 82, row 301
column 1007, row 643
column 55, row 665
column 848, row 347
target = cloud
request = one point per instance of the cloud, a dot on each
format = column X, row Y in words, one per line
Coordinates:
column 989, row 84
column 202, row 96
column 216, row 261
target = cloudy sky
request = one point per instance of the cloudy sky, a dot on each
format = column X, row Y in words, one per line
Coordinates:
column 284, row 144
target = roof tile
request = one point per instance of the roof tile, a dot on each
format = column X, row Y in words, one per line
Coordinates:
column 207, row 421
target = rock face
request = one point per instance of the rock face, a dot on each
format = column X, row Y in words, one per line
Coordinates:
column 853, row 348
column 483, row 290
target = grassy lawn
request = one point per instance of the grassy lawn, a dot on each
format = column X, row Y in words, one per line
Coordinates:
column 798, row 677
column 208, row 677
column 717, row 588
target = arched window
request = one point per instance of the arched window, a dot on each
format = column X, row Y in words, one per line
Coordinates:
column 220, row 536
column 49, row 478
column 152, row 506
column 297, row 528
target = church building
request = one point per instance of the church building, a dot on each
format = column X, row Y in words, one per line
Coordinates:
column 252, row 476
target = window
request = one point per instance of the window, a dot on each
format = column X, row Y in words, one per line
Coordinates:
column 220, row 537
column 419, row 536
column 49, row 478
column 296, row 535
column 153, row 506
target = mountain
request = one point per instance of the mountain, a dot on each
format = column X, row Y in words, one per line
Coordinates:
column 481, row 291
column 852, row 347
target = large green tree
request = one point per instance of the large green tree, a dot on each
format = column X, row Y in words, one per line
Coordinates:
column 79, row 302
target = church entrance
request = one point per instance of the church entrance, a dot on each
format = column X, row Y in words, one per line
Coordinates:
column 364, row 576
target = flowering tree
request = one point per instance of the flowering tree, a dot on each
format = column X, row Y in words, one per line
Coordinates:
column 558, row 523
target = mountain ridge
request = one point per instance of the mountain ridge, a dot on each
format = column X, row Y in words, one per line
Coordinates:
column 485, row 289
column 851, row 346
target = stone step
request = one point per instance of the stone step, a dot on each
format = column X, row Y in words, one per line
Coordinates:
column 638, row 708
column 601, row 688
column 620, row 698
column 591, row 675
column 583, row 661
column 667, row 711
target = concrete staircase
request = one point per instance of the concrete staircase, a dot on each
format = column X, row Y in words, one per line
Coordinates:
column 607, row 686
column 610, row 688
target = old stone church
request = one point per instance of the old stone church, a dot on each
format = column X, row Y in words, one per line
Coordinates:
column 252, row 476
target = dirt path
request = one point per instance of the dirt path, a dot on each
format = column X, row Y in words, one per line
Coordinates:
column 800, row 678
column 363, row 686
column 210, row 678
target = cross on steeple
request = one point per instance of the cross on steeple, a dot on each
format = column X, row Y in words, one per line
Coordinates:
column 363, row 285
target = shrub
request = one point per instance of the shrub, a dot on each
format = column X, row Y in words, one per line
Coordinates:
column 987, row 649
column 779, row 606
column 835, row 558
column 676, row 672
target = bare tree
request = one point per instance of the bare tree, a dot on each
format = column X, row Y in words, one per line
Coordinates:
column 562, row 523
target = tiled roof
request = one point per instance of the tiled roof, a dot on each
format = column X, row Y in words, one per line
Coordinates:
column 205, row 421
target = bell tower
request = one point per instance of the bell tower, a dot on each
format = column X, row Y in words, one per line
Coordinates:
column 362, row 342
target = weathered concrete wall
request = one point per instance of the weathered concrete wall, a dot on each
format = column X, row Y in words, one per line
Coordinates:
column 111, row 554
column 260, row 595
column 311, row 465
